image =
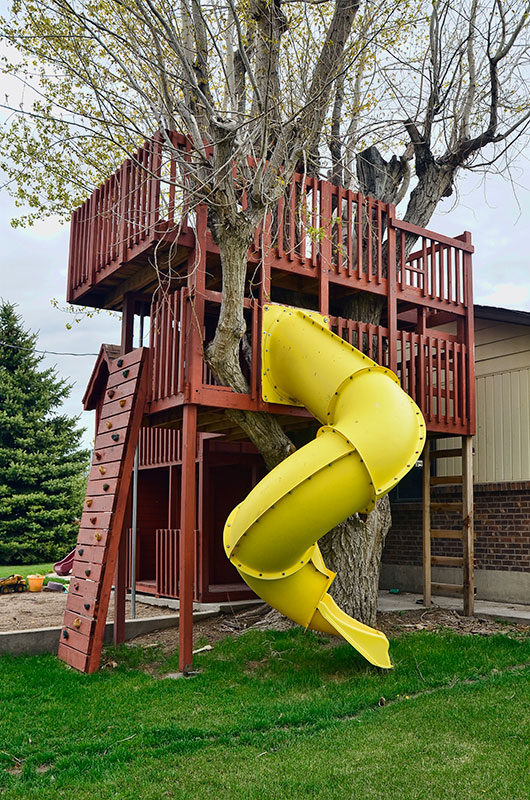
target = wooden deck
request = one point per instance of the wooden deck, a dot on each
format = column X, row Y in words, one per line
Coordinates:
column 321, row 244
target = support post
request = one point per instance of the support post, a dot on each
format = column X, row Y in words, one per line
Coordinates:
column 120, row 575
column 467, row 532
column 427, row 598
column 187, row 537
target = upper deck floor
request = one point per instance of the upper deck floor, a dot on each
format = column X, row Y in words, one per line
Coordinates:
column 320, row 245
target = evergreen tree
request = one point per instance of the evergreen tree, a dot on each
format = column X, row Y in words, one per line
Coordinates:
column 42, row 466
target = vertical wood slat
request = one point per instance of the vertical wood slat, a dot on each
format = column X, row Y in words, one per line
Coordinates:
column 379, row 244
column 349, row 232
column 292, row 220
column 438, row 381
column 369, row 258
column 359, row 235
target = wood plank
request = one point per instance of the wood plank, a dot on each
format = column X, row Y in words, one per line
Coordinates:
column 110, row 439
column 84, row 588
column 78, row 622
column 88, row 553
column 127, row 373
column 105, row 455
column 445, row 533
column 96, row 537
column 105, row 472
column 444, row 480
column 93, row 572
column 74, row 638
column 455, row 507
column 448, row 561
column 467, row 501
column 78, row 604
column 74, row 658
column 454, row 452
column 104, row 486
column 98, row 503
column 95, row 520
column 117, row 422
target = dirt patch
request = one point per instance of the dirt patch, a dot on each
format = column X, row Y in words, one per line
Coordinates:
column 20, row 612
column 397, row 623
column 393, row 624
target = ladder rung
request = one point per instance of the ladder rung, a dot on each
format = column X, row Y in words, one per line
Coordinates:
column 456, row 507
column 444, row 480
column 453, row 588
column 455, row 452
column 448, row 561
column 441, row 533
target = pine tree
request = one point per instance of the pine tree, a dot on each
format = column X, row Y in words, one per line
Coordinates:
column 42, row 466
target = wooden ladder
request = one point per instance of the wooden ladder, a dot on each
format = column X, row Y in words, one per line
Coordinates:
column 463, row 511
column 104, row 511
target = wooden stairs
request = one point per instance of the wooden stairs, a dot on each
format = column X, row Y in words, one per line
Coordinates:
column 461, row 512
column 104, row 511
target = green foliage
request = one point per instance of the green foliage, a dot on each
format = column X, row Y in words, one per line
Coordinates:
column 42, row 467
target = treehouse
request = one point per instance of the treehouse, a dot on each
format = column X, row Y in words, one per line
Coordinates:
column 136, row 247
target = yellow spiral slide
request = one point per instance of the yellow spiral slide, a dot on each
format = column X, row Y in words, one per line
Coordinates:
column 372, row 434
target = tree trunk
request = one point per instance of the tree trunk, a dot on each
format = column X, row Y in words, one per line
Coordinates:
column 353, row 550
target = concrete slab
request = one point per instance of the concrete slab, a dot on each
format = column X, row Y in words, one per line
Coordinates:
column 46, row 640
column 407, row 601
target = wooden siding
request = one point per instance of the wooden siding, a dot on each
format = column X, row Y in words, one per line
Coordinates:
column 502, row 442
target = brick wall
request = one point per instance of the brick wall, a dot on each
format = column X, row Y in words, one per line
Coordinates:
column 502, row 528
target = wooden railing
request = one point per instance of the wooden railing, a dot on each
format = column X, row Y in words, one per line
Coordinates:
column 167, row 344
column 433, row 369
column 167, row 561
column 314, row 226
column 159, row 447
column 438, row 271
column 131, row 210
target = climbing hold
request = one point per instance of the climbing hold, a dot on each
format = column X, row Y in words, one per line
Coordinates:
column 98, row 536
column 105, row 487
column 120, row 362
column 125, row 373
column 77, row 623
column 98, row 456
column 111, row 393
column 86, row 606
column 109, row 424
column 89, row 502
column 93, row 520
column 122, row 403
column 65, row 634
column 76, row 587
column 115, row 437
column 80, row 551
column 87, row 572
column 102, row 470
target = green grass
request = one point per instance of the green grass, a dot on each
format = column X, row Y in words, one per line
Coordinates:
column 31, row 569
column 273, row 716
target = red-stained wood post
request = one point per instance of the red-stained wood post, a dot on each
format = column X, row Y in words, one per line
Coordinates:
column 187, row 537
column 120, row 575
column 391, row 291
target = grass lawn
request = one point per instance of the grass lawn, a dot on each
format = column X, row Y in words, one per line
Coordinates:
column 31, row 569
column 274, row 716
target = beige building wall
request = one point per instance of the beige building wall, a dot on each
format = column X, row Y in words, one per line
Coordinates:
column 502, row 367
